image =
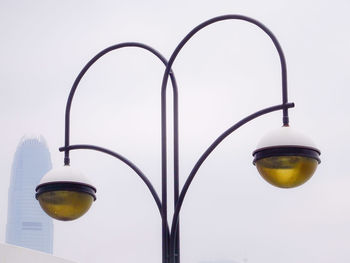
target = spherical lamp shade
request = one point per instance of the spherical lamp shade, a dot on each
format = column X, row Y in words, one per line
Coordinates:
column 65, row 194
column 286, row 158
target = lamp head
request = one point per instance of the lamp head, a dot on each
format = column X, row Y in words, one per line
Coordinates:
column 65, row 194
column 286, row 158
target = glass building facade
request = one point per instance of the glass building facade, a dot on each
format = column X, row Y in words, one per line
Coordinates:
column 27, row 225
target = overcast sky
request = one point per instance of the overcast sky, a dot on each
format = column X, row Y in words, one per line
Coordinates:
column 227, row 71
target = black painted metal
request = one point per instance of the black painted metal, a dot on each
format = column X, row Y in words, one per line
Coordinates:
column 131, row 165
column 235, row 17
column 176, row 170
column 170, row 241
column 287, row 151
column 124, row 160
column 165, row 228
column 65, row 186
column 207, row 153
column 86, row 68
column 164, row 85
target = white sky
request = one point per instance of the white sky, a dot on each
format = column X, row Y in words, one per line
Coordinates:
column 226, row 72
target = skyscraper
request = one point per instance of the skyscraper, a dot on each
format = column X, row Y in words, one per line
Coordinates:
column 27, row 225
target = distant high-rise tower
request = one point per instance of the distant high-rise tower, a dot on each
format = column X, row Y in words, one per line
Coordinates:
column 27, row 225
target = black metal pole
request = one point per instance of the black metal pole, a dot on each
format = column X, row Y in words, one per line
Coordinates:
column 67, row 147
column 176, row 169
column 174, row 254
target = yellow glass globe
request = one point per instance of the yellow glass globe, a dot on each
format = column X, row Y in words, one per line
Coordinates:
column 65, row 205
column 286, row 171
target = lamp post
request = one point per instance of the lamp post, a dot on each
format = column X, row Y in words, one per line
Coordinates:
column 284, row 158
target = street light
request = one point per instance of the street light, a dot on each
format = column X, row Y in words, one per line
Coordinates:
column 284, row 157
column 65, row 194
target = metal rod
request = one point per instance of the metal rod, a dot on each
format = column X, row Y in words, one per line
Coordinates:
column 124, row 160
column 127, row 162
column 207, row 153
column 165, row 232
column 176, row 164
column 170, row 241
column 168, row 69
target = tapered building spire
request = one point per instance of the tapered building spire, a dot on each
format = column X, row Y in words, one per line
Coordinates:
column 27, row 225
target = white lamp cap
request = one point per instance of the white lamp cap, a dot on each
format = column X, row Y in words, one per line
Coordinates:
column 65, row 174
column 286, row 136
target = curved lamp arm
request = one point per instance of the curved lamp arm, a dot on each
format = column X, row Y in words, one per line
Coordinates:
column 284, row 106
column 124, row 160
column 128, row 163
column 86, row 68
column 208, row 152
column 163, row 207
column 247, row 19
